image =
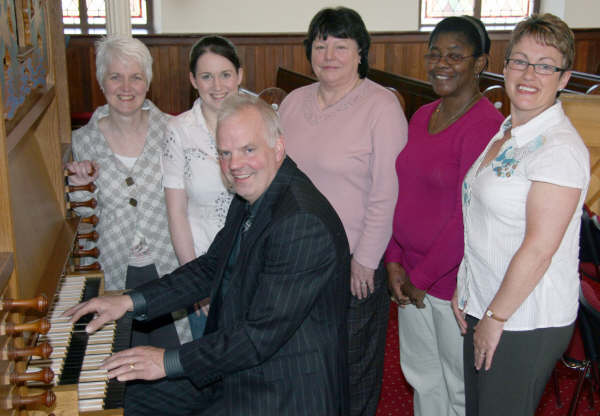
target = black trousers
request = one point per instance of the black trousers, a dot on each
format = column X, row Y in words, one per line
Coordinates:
column 522, row 364
column 367, row 328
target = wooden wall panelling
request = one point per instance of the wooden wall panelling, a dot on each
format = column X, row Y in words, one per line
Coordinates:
column 398, row 52
column 58, row 70
column 583, row 112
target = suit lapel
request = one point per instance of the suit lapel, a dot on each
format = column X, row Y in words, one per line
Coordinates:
column 264, row 215
column 262, row 218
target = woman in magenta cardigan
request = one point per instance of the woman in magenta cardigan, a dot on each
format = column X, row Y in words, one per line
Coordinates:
column 444, row 138
column 345, row 132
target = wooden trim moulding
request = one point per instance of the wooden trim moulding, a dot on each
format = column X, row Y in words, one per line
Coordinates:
column 6, row 267
column 32, row 116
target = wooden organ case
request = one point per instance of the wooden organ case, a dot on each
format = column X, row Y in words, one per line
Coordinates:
column 37, row 233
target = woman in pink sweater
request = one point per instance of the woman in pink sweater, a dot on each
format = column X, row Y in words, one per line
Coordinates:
column 345, row 132
column 444, row 138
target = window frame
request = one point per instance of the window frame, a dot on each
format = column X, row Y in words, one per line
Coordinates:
column 84, row 27
column 476, row 13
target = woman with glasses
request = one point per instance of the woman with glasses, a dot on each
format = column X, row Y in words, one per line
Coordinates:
column 518, row 285
column 444, row 138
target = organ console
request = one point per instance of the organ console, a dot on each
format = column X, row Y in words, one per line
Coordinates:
column 47, row 365
column 93, row 252
column 90, row 187
column 39, row 303
column 92, row 219
column 90, row 203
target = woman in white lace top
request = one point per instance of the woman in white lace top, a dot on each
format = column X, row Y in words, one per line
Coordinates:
column 197, row 195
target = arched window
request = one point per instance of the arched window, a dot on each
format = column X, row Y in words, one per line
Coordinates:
column 89, row 16
column 495, row 14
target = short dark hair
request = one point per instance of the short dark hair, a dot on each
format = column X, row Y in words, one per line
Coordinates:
column 472, row 29
column 217, row 45
column 344, row 23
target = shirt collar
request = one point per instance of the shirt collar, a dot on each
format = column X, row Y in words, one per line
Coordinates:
column 199, row 115
column 533, row 128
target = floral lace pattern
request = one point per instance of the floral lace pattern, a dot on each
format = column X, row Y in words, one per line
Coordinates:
column 507, row 161
column 192, row 154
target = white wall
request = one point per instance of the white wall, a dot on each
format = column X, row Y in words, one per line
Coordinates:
column 275, row 16
column 293, row 16
column 582, row 13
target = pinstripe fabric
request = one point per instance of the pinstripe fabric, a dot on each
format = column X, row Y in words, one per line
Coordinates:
column 276, row 342
column 367, row 328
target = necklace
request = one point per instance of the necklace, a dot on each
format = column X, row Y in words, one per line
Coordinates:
column 460, row 112
column 338, row 99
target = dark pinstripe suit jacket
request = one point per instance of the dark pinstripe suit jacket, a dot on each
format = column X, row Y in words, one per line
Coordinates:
column 277, row 339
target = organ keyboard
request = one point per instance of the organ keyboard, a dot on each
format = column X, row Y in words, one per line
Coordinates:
column 76, row 355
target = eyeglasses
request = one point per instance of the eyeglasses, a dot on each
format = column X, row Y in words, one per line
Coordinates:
column 542, row 69
column 451, row 58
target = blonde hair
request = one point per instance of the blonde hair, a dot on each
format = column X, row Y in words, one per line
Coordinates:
column 548, row 30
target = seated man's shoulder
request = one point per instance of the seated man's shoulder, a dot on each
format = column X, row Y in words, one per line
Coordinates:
column 304, row 199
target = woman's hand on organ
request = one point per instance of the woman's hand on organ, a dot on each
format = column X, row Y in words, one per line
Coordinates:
column 83, row 172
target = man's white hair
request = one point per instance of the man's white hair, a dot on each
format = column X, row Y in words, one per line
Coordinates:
column 238, row 102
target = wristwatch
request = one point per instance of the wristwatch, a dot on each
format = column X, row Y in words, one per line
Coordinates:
column 491, row 314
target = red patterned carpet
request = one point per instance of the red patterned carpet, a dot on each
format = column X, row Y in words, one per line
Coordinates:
column 396, row 394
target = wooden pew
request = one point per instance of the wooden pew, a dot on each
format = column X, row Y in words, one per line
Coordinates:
column 583, row 112
column 289, row 80
column 582, row 82
column 414, row 91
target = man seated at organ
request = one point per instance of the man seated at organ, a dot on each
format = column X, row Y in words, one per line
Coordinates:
column 277, row 276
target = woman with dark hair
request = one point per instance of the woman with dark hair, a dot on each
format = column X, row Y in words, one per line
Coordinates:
column 444, row 138
column 345, row 132
column 518, row 284
column 197, row 196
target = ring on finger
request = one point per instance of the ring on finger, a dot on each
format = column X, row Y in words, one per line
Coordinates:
column 132, row 366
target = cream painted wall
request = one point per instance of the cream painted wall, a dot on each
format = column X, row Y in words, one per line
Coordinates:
column 275, row 16
column 582, row 13
column 293, row 16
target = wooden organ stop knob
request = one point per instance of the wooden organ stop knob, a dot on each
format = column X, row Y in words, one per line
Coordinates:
column 92, row 219
column 45, row 376
column 41, row 326
column 93, row 252
column 39, row 303
column 90, row 203
column 42, row 350
column 90, row 187
column 93, row 235
column 90, row 267
column 13, row 400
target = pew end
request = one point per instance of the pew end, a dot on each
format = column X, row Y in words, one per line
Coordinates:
column 273, row 96
column 583, row 112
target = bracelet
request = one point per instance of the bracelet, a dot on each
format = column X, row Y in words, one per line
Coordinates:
column 492, row 315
